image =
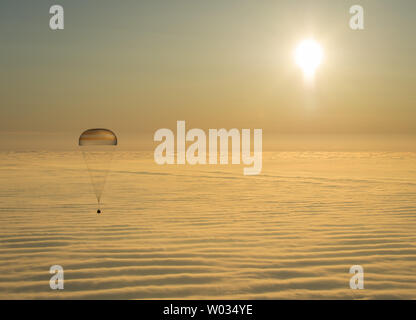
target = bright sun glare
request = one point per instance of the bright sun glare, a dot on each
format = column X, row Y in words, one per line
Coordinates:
column 308, row 57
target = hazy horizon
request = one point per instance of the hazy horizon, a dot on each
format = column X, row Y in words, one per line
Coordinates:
column 136, row 67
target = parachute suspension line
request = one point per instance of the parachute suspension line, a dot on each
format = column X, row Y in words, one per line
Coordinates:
column 98, row 164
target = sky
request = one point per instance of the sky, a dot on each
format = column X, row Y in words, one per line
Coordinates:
column 137, row 66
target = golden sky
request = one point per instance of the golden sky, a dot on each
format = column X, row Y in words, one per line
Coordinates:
column 135, row 67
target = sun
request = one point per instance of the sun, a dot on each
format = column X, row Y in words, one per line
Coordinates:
column 308, row 56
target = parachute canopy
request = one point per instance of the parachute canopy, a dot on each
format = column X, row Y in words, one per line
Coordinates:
column 98, row 137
